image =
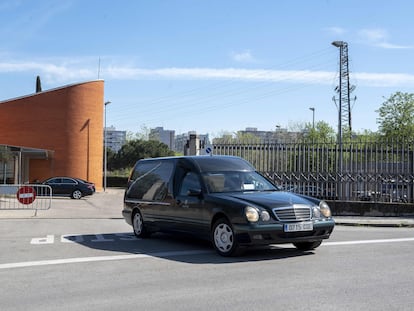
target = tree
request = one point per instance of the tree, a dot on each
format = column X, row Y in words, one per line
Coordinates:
column 143, row 134
column 110, row 158
column 137, row 149
column 322, row 132
column 396, row 116
column 367, row 136
column 237, row 138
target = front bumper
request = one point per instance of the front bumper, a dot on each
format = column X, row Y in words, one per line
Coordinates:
column 258, row 234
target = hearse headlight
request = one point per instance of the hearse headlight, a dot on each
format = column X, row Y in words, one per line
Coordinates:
column 316, row 212
column 264, row 216
column 251, row 213
column 325, row 210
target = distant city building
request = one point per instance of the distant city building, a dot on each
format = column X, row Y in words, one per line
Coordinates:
column 178, row 143
column 181, row 141
column 114, row 139
column 164, row 136
column 279, row 135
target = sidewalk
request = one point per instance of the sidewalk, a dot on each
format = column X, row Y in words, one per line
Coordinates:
column 109, row 204
column 101, row 205
column 374, row 221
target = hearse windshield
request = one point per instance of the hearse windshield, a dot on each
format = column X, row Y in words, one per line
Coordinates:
column 218, row 182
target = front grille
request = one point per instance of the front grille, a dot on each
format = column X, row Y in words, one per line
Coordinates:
column 296, row 212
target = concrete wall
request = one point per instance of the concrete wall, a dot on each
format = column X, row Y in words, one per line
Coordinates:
column 343, row 208
column 66, row 120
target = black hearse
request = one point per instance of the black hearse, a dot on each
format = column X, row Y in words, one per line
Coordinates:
column 223, row 199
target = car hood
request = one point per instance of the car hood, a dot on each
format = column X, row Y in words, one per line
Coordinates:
column 270, row 199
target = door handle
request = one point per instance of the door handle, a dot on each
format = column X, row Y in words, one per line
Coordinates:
column 183, row 204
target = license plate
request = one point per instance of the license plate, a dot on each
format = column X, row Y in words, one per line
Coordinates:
column 299, row 226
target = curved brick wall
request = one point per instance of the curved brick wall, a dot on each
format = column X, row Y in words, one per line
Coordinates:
column 68, row 121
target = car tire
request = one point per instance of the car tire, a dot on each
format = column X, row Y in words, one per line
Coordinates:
column 224, row 239
column 76, row 194
column 307, row 246
column 138, row 225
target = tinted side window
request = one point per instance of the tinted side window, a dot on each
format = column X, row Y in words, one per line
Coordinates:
column 142, row 168
column 150, row 180
column 68, row 181
column 54, row 181
column 190, row 181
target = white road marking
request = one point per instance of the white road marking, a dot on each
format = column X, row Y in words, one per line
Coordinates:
column 99, row 258
column 49, row 239
column 71, row 238
column 368, row 242
column 80, row 238
column 167, row 254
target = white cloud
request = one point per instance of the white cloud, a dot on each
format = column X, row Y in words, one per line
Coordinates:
column 379, row 37
column 224, row 73
column 387, row 45
column 73, row 72
column 385, row 79
column 336, row 30
column 285, row 76
column 373, row 35
column 243, row 57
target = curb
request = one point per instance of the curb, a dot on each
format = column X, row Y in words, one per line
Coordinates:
column 375, row 222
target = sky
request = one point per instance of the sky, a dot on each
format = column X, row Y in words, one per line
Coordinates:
column 212, row 66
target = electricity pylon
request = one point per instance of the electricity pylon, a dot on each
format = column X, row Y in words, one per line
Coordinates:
column 344, row 90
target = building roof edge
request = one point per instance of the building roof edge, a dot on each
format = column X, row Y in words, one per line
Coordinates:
column 50, row 90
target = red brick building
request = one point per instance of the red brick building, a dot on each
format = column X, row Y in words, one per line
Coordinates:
column 57, row 132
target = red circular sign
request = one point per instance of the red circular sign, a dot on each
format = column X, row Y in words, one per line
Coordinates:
column 26, row 195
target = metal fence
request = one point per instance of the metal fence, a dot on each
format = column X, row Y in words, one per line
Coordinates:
column 380, row 171
column 28, row 197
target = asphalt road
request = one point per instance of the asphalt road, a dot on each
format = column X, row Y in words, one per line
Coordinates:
column 80, row 255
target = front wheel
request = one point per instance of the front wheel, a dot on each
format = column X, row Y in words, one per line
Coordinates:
column 77, row 194
column 224, row 239
column 307, row 246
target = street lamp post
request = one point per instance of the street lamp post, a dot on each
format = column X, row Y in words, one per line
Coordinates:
column 105, row 146
column 313, row 116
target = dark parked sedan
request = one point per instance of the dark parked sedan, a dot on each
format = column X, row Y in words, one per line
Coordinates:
column 68, row 186
column 223, row 199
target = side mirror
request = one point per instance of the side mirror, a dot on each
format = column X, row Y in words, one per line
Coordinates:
column 194, row 192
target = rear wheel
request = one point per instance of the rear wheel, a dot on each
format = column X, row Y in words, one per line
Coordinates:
column 224, row 238
column 307, row 246
column 138, row 225
column 77, row 194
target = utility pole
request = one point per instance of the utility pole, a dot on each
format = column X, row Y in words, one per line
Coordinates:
column 344, row 107
column 344, row 90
